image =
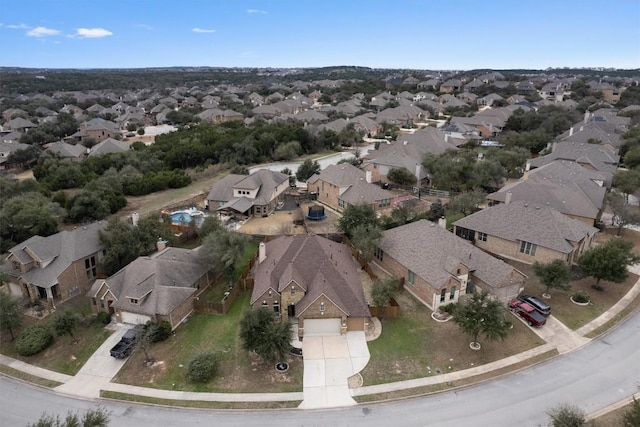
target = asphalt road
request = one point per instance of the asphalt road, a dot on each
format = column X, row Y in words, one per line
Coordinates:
column 603, row 372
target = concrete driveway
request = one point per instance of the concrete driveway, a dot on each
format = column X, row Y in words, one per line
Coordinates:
column 99, row 369
column 556, row 333
column 329, row 361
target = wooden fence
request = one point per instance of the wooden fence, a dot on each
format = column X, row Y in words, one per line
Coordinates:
column 387, row 312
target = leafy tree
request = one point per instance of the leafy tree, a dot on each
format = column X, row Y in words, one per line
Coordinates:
column 401, row 176
column 10, row 313
column 121, row 244
column 623, row 214
column 262, row 333
column 609, row 261
column 211, row 224
column 287, row 151
column 202, row 367
column 632, row 157
column 64, row 322
column 467, row 202
column 307, row 169
column 98, row 417
column 25, row 157
column 555, row 274
column 383, row 290
column 631, row 418
column 87, row 206
column 26, row 215
column 567, row 416
column 357, row 215
column 481, row 314
column 366, row 239
column 436, row 210
column 627, row 182
column 226, row 250
column 33, row 339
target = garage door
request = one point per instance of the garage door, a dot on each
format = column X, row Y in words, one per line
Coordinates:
column 134, row 318
column 322, row 327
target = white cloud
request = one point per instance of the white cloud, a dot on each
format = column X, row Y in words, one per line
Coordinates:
column 145, row 27
column 92, row 33
column 257, row 11
column 19, row 27
column 42, row 32
column 202, row 30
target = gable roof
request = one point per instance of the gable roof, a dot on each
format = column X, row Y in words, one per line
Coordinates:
column 434, row 254
column 266, row 181
column 57, row 252
column 529, row 222
column 342, row 175
column 108, row 146
column 318, row 265
column 160, row 283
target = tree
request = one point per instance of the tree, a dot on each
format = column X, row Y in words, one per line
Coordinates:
column 202, row 367
column 608, row 261
column 555, row 274
column 307, row 169
column 383, row 290
column 631, row 418
column 481, row 315
column 260, row 332
column 567, row 416
column 401, row 176
column 64, row 322
column 98, row 417
column 366, row 239
column 357, row 215
column 226, row 250
column 211, row 224
column 467, row 202
column 627, row 181
column 622, row 213
column 10, row 313
column 121, row 244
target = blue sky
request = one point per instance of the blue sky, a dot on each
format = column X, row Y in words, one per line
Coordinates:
column 422, row 34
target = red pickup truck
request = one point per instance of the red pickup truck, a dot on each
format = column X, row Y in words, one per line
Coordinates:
column 527, row 312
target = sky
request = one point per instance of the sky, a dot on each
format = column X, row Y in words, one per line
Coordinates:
column 412, row 34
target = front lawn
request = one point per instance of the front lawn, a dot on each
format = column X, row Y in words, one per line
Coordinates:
column 413, row 345
column 239, row 372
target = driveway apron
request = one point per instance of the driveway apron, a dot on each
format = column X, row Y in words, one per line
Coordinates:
column 329, row 361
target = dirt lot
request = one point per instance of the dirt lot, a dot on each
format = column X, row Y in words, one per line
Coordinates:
column 282, row 222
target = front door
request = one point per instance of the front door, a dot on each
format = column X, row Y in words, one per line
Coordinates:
column 291, row 311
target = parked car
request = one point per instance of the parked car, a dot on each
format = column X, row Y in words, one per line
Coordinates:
column 125, row 345
column 527, row 312
column 536, row 303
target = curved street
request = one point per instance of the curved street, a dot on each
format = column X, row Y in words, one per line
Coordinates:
column 597, row 375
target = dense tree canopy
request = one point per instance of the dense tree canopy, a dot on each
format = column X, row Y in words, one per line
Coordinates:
column 609, row 261
column 481, row 315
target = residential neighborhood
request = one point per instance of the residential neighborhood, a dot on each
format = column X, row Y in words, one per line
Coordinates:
column 299, row 220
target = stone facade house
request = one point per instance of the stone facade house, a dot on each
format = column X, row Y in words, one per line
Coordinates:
column 153, row 288
column 312, row 280
column 438, row 267
column 55, row 268
column 527, row 232
column 247, row 195
column 339, row 186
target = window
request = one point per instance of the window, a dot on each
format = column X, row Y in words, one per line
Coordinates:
column 378, row 253
column 443, row 294
column 452, row 294
column 482, row 236
column 132, row 300
column 93, row 300
column 322, row 307
column 341, row 203
column 528, row 248
column 293, row 290
column 412, row 277
column 264, row 303
column 276, row 307
column 90, row 266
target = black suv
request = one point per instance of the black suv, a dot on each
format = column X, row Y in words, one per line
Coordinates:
column 539, row 305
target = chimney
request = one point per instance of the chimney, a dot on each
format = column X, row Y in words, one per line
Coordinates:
column 586, row 116
column 571, row 131
column 262, row 252
column 418, row 172
column 135, row 217
column 442, row 222
column 507, row 197
column 161, row 245
column 446, row 137
column 368, row 176
column 527, row 166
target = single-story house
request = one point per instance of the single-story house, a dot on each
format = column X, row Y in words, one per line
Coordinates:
column 313, row 280
column 527, row 232
column 153, row 288
column 55, row 268
column 438, row 267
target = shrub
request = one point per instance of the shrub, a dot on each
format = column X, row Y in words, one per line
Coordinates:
column 159, row 331
column 202, row 367
column 104, row 318
column 34, row 339
column 448, row 308
column 581, row 297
